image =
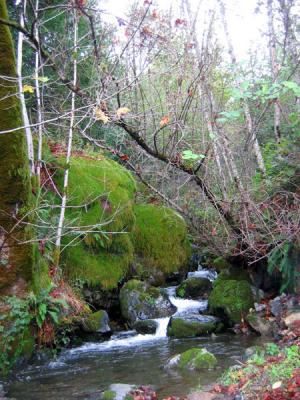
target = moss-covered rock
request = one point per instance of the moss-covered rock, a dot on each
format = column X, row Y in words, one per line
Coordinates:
column 231, row 298
column 194, row 288
column 220, row 264
column 15, row 186
column 141, row 301
column 109, row 395
column 97, row 322
column 100, row 200
column 160, row 239
column 193, row 326
column 145, row 326
column 196, row 359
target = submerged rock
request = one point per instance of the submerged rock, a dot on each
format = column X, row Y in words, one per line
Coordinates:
column 98, row 322
column 194, row 288
column 193, row 359
column 141, row 301
column 193, row 326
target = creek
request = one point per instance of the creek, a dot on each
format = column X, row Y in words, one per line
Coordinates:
column 130, row 358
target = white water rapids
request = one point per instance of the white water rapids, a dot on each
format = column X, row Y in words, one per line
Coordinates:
column 130, row 339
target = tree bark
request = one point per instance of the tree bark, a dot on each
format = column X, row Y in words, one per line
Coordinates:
column 16, row 258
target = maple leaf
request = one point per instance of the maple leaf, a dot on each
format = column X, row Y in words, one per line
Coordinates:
column 28, row 89
column 100, row 116
column 164, row 121
column 122, row 111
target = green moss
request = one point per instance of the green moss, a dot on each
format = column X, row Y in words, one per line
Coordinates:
column 194, row 288
column 15, row 188
column 197, row 359
column 220, row 263
column 99, row 267
column 100, row 199
column 93, row 321
column 160, row 238
column 181, row 328
column 232, row 297
column 109, row 395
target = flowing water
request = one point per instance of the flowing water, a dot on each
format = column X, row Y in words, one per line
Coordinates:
column 129, row 358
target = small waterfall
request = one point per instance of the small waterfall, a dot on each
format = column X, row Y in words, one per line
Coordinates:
column 161, row 330
column 203, row 273
column 185, row 306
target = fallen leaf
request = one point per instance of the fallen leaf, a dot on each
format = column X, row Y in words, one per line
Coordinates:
column 164, row 121
column 276, row 385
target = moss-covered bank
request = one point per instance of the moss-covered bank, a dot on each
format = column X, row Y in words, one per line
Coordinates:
column 160, row 239
column 100, row 201
column 15, row 190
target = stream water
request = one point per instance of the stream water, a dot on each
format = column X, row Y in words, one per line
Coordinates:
column 129, row 358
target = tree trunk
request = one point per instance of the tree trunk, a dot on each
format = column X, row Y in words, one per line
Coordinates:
column 69, row 151
column 16, row 259
column 21, row 94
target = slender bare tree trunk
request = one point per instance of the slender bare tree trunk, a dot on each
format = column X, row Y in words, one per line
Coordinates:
column 38, row 96
column 275, row 69
column 251, row 133
column 21, row 94
column 69, row 149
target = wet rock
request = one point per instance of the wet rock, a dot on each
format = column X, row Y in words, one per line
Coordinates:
column 277, row 305
column 194, row 359
column 194, row 288
column 141, row 301
column 146, row 326
column 230, row 299
column 259, row 307
column 193, row 326
column 263, row 326
column 292, row 319
column 98, row 322
column 258, row 294
column 220, row 264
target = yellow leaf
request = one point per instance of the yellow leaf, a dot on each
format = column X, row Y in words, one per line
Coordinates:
column 122, row 111
column 164, row 121
column 28, row 89
column 100, row 115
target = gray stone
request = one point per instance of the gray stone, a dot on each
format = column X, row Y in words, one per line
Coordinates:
column 277, row 305
column 145, row 326
column 194, row 288
column 121, row 390
column 140, row 301
column 193, row 325
column 97, row 322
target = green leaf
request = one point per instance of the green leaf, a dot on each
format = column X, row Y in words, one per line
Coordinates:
column 54, row 316
column 43, row 79
column 293, row 86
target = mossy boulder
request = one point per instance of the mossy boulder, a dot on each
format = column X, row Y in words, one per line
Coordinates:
column 160, row 240
column 147, row 326
column 194, row 288
column 100, row 200
column 231, row 299
column 97, row 322
column 220, row 264
column 193, row 326
column 141, row 301
column 194, row 359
